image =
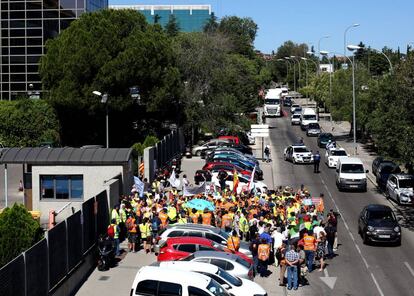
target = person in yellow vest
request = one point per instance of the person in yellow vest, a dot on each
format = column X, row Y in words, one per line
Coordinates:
column 122, row 220
column 164, row 218
column 145, row 229
column 182, row 218
column 115, row 214
column 244, row 227
column 263, row 253
column 131, row 225
column 206, row 217
column 233, row 242
column 113, row 232
column 194, row 216
column 172, row 214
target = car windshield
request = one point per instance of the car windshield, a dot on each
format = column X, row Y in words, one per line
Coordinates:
column 381, row 215
column 338, row 153
column 188, row 258
column 313, row 125
column 352, row 168
column 325, row 137
column 272, row 102
column 229, row 278
column 216, row 289
column 300, row 149
column 406, row 183
column 296, row 115
column 224, row 234
column 243, row 262
column 309, row 117
column 295, row 106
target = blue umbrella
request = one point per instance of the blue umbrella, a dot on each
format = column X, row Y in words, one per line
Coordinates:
column 200, row 204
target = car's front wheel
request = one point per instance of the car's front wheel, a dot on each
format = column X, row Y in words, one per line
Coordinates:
column 365, row 239
column 198, row 153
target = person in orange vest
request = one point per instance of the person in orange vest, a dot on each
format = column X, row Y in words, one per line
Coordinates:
column 309, row 243
column 194, row 216
column 131, row 225
column 206, row 217
column 233, row 242
column 263, row 253
column 226, row 222
column 164, row 218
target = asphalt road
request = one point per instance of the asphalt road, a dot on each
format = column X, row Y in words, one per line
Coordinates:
column 358, row 269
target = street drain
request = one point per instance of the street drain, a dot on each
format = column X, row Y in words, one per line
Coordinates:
column 104, row 278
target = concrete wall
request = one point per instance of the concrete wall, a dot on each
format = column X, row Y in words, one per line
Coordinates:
column 95, row 180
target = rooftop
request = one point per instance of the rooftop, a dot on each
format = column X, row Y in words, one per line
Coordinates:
column 65, row 156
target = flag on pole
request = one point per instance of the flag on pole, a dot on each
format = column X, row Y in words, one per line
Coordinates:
column 173, row 180
column 139, row 186
column 251, row 181
column 235, row 181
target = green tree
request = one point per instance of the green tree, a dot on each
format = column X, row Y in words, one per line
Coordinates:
column 172, row 27
column 18, row 232
column 27, row 123
column 211, row 25
column 110, row 51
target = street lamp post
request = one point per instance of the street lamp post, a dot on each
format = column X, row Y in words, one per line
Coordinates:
column 353, row 48
column 346, row 30
column 104, row 100
column 319, row 49
column 294, row 73
column 306, row 70
column 294, row 59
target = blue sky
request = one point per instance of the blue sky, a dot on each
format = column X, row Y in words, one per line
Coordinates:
column 382, row 22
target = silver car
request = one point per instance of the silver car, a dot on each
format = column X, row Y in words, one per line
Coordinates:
column 231, row 263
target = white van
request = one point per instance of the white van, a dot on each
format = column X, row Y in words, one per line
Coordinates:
column 307, row 116
column 155, row 281
column 350, row 174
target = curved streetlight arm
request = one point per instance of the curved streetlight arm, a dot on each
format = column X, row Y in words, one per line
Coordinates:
column 381, row 52
column 346, row 30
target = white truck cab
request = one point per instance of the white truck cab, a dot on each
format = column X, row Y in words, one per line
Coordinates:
column 273, row 103
column 351, row 174
column 307, row 116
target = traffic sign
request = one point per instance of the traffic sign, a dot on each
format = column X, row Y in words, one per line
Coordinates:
column 260, row 135
column 260, row 130
column 259, row 126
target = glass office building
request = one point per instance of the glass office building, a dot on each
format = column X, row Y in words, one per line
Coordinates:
column 190, row 18
column 25, row 27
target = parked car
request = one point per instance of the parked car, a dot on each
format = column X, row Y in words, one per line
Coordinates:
column 294, row 107
column 376, row 163
column 313, row 129
column 243, row 182
column 295, row 119
column 233, row 139
column 400, row 188
column 218, row 155
column 199, row 230
column 332, row 156
column 377, row 223
column 350, row 174
column 241, row 148
column 237, row 286
column 298, row 154
column 384, row 171
column 153, row 280
column 324, row 139
column 242, row 164
column 233, row 150
column 231, row 263
column 226, row 166
column 209, row 145
column 175, row 248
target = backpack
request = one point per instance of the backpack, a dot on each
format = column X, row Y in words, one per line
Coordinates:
column 111, row 231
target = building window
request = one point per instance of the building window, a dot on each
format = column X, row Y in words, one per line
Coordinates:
column 61, row 187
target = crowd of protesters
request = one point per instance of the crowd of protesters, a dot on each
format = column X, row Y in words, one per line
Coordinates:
column 287, row 228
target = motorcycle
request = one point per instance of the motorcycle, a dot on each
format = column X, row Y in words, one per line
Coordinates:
column 106, row 253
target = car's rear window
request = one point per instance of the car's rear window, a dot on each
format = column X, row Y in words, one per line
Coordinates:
column 243, row 262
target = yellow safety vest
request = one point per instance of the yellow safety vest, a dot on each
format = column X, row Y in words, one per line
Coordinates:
column 115, row 216
column 145, row 230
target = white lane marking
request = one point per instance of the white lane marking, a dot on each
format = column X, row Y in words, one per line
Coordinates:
column 325, row 272
column 376, row 284
column 353, row 239
column 409, row 268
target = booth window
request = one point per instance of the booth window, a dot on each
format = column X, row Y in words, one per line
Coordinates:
column 61, row 187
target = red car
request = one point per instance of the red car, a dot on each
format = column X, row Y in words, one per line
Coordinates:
column 233, row 139
column 228, row 167
column 175, row 248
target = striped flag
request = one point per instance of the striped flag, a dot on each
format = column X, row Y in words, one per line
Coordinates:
column 251, row 181
column 235, row 181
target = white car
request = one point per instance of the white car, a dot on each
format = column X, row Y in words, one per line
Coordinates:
column 298, row 154
column 243, row 182
column 332, row 156
column 235, row 285
column 153, row 280
column 293, row 107
column 295, row 119
column 231, row 263
column 400, row 188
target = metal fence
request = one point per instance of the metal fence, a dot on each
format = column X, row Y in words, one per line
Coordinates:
column 59, row 263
